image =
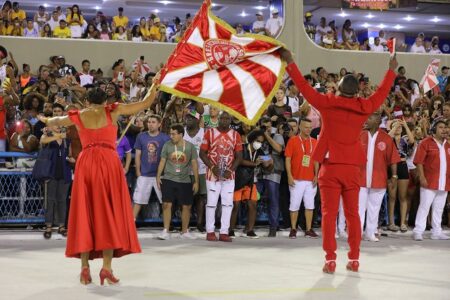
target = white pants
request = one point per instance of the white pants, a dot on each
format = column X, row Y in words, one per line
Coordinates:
column 302, row 190
column 370, row 200
column 341, row 219
column 435, row 199
column 143, row 190
column 224, row 189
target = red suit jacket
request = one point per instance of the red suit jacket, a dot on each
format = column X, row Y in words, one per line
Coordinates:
column 428, row 155
column 342, row 119
column 385, row 154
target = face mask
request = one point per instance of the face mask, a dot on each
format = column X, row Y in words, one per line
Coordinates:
column 257, row 145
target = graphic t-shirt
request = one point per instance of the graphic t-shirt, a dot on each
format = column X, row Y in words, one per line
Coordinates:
column 151, row 147
column 197, row 142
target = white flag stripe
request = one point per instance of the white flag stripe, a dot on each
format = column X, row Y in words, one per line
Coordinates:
column 196, row 38
column 252, row 93
column 171, row 79
column 212, row 87
column 212, row 28
column 241, row 40
column 271, row 62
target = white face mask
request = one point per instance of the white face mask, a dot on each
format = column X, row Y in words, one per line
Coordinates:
column 257, row 145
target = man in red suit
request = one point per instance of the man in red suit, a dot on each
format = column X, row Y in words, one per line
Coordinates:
column 381, row 153
column 340, row 153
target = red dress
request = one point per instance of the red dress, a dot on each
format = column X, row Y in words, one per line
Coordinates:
column 100, row 216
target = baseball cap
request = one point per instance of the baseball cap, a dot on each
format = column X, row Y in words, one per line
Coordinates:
column 275, row 11
column 308, row 14
column 259, row 13
column 194, row 114
column 157, row 20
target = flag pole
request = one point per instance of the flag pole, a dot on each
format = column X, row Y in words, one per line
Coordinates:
column 134, row 117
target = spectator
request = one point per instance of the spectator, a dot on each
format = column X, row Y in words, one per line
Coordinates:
column 25, row 77
column 30, row 30
column 321, row 30
column 136, row 35
column 124, row 151
column 65, row 69
column 38, row 128
column 145, row 31
column 292, row 99
column 33, row 104
column 17, row 13
column 435, row 48
column 148, row 148
column 85, row 77
column 155, row 32
column 279, row 112
column 91, row 32
column 8, row 98
column 105, row 34
column 120, row 35
column 59, row 183
column 383, row 41
column 309, row 26
column 177, row 158
column 16, row 29
column 259, row 26
column 61, row 16
column 41, row 17
column 221, row 151
column 365, row 45
column 377, row 47
column 239, row 29
column 62, row 31
column 211, row 120
column 47, row 31
column 54, row 21
column 443, row 78
column 350, row 41
column 6, row 10
column 120, row 19
column 274, row 24
column 75, row 21
column 23, row 140
column 418, row 47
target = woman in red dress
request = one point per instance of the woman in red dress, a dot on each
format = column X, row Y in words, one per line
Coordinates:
column 101, row 223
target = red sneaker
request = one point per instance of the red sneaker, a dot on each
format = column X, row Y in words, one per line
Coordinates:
column 211, row 236
column 329, row 267
column 224, row 238
column 293, row 234
column 353, row 265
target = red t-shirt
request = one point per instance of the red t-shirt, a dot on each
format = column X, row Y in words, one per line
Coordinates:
column 221, row 147
column 302, row 168
column 2, row 119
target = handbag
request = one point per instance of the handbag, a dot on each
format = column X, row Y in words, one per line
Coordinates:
column 43, row 166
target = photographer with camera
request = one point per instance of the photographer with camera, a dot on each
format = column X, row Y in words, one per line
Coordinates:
column 270, row 181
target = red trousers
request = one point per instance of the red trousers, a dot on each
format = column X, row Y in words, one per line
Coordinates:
column 336, row 180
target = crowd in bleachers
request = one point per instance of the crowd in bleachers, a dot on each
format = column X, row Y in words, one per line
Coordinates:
column 71, row 23
column 329, row 36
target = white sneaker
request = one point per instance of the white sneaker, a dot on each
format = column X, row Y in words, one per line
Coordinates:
column 336, row 235
column 187, row 236
column 343, row 234
column 164, row 235
column 418, row 236
column 440, row 236
column 371, row 238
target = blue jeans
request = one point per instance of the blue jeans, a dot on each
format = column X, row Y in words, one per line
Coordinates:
column 273, row 192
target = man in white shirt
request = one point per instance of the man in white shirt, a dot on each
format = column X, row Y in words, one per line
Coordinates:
column 54, row 21
column 321, row 30
column 85, row 77
column 259, row 26
column 377, row 47
column 274, row 24
column 292, row 99
column 418, row 47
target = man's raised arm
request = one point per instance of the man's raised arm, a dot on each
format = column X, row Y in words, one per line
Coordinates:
column 313, row 97
column 383, row 90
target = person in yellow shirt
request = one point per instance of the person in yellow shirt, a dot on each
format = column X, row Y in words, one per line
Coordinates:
column 145, row 32
column 120, row 20
column 17, row 12
column 155, row 32
column 15, row 29
column 62, row 31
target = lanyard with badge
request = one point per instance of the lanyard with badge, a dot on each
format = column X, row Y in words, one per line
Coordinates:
column 177, row 163
column 306, row 160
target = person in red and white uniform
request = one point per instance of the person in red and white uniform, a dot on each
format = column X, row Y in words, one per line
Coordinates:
column 221, row 151
column 433, row 167
column 302, row 173
column 381, row 153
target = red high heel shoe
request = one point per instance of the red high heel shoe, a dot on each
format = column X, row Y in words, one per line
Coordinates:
column 108, row 275
column 85, row 276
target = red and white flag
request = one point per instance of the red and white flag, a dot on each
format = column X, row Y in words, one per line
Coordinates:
column 429, row 80
column 391, row 43
column 141, row 67
column 212, row 64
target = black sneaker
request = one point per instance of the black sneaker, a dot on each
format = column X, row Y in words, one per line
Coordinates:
column 272, row 232
column 201, row 228
column 231, row 234
column 251, row 234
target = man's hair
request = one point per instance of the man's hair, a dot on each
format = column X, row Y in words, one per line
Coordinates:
column 349, row 86
column 96, row 96
column 178, row 128
column 85, row 61
column 57, row 105
column 264, row 119
column 446, row 104
column 254, row 135
column 318, row 70
column 292, row 120
column 154, row 116
column 305, row 120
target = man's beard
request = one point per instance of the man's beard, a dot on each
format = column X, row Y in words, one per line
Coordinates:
column 48, row 114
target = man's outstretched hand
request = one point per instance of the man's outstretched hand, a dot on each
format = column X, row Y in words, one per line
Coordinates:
column 393, row 64
column 286, row 55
